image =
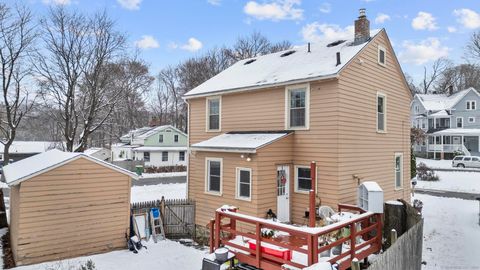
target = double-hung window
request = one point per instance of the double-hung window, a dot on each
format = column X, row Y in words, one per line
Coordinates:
column 175, row 138
column 398, row 170
column 146, row 156
column 381, row 112
column 214, row 175
column 459, row 122
column 297, row 106
column 244, row 183
column 213, row 113
column 160, row 138
column 303, row 180
column 471, row 105
column 164, row 156
column 181, row 156
column 382, row 56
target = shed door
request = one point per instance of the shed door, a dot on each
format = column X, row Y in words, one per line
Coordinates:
column 283, row 193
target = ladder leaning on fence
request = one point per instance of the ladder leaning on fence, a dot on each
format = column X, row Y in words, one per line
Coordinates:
column 156, row 224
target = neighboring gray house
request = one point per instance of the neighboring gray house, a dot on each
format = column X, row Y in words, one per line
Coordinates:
column 452, row 123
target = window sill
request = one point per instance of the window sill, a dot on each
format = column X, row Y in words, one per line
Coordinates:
column 218, row 194
column 298, row 128
column 213, row 130
column 398, row 189
column 243, row 199
column 383, row 65
column 302, row 192
column 382, row 131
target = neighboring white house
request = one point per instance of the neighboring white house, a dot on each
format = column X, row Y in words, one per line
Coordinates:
column 451, row 121
column 156, row 146
column 23, row 149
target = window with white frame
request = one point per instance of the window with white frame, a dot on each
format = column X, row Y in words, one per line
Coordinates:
column 398, row 170
column 297, row 106
column 164, row 156
column 213, row 113
column 214, row 175
column 459, row 122
column 303, row 180
column 416, row 109
column 146, row 156
column 381, row 112
column 181, row 156
column 175, row 138
column 471, row 105
column 423, row 123
column 244, row 183
column 471, row 119
column 160, row 138
column 382, row 55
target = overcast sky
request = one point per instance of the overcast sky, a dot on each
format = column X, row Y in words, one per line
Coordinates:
column 169, row 31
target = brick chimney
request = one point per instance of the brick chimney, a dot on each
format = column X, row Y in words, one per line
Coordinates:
column 362, row 28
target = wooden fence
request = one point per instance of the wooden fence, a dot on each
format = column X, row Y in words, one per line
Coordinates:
column 406, row 252
column 178, row 216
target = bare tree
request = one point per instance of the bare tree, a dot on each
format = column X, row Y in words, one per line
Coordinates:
column 411, row 85
column 74, row 72
column 254, row 45
column 17, row 36
column 473, row 47
column 429, row 79
column 460, row 77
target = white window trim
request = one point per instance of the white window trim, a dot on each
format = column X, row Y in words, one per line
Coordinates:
column 237, row 192
column 456, row 122
column 207, row 114
column 207, row 179
column 471, row 102
column 395, row 171
column 471, row 118
column 380, row 94
column 307, row 106
column 381, row 48
column 296, row 179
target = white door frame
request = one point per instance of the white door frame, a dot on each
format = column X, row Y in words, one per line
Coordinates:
column 283, row 193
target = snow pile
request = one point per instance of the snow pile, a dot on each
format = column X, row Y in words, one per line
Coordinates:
column 435, row 164
column 155, row 192
column 453, row 181
column 451, row 233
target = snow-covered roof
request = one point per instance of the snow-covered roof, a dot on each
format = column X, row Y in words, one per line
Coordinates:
column 282, row 68
column 458, row 131
column 24, row 169
column 245, row 142
column 145, row 132
column 92, row 150
column 156, row 148
column 437, row 102
column 441, row 113
column 30, row 147
column 135, row 132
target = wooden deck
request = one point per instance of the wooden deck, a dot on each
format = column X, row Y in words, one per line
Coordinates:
column 296, row 246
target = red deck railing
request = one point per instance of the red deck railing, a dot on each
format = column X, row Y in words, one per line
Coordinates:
column 365, row 238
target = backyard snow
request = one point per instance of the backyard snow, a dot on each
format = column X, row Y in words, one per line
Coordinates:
column 453, row 181
column 440, row 164
column 451, row 233
column 155, row 192
column 162, row 255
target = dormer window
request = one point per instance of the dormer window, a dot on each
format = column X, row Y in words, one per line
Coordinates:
column 382, row 56
column 213, row 113
column 471, row 105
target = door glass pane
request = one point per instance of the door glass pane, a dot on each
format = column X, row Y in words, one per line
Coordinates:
column 281, row 182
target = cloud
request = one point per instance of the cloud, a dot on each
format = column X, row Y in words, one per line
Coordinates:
column 451, row 29
column 214, row 2
column 316, row 32
column 424, row 21
column 275, row 10
column 147, row 42
column 381, row 18
column 468, row 18
column 57, row 2
column 425, row 51
column 325, row 8
column 192, row 45
column 130, row 4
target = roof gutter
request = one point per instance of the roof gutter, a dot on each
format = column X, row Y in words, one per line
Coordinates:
column 263, row 86
column 224, row 150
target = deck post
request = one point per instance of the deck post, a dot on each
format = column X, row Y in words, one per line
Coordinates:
column 353, row 234
column 311, row 212
column 315, row 249
column 217, row 230
column 211, row 226
column 378, row 218
column 258, row 246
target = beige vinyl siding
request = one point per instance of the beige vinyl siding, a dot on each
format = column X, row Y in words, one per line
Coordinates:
column 363, row 151
column 76, row 209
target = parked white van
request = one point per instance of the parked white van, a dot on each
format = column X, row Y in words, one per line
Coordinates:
column 466, row 162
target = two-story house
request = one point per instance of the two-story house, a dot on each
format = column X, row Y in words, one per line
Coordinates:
column 157, row 146
column 451, row 121
column 255, row 128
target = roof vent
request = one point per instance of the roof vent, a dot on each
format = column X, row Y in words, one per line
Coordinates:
column 250, row 61
column 335, row 43
column 287, row 53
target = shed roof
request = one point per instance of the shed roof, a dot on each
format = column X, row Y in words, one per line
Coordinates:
column 25, row 169
column 283, row 67
column 245, row 142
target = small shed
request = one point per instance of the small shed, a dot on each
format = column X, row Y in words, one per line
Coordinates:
column 65, row 205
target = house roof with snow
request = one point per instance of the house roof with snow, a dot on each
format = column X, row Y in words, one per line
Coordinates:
column 145, row 132
column 159, row 148
column 438, row 102
column 30, row 147
column 17, row 172
column 291, row 66
column 459, row 132
column 244, row 142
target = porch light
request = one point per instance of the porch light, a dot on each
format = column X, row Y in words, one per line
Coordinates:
column 242, row 156
column 249, row 159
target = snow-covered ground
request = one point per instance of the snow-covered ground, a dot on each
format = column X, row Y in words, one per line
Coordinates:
column 162, row 175
column 162, row 255
column 454, row 181
column 155, row 192
column 441, row 164
column 451, row 233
